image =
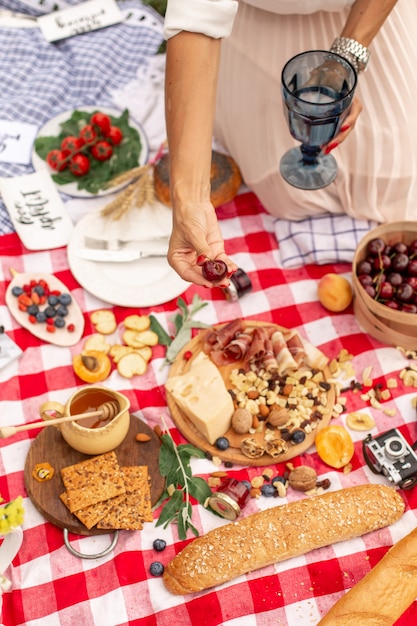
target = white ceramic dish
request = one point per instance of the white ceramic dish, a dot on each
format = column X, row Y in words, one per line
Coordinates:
column 147, row 282
column 53, row 127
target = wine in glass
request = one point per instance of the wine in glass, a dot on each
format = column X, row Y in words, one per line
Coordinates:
column 317, row 91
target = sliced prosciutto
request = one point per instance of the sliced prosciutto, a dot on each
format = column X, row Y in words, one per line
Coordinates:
column 285, row 360
column 257, row 347
column 295, row 346
column 218, row 338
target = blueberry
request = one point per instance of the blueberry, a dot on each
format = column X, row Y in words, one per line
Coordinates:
column 50, row 311
column 222, row 443
column 40, row 317
column 65, row 299
column 247, row 484
column 17, row 291
column 33, row 309
column 59, row 322
column 278, row 479
column 156, row 568
column 62, row 311
column 39, row 289
column 268, row 490
column 159, row 545
column 53, row 300
column 298, row 436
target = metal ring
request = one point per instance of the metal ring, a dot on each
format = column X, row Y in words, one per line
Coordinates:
column 90, row 556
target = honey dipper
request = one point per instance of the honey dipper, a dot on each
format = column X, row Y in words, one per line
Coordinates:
column 105, row 412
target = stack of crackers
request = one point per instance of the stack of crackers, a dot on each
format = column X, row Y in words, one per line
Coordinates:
column 101, row 493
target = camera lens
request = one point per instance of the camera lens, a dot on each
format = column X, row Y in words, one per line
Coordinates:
column 395, row 448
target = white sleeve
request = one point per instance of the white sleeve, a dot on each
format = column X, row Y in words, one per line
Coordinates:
column 213, row 18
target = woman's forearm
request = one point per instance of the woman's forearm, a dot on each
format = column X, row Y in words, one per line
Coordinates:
column 366, row 18
column 190, row 99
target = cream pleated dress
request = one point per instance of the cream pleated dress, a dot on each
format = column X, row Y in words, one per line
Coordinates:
column 377, row 177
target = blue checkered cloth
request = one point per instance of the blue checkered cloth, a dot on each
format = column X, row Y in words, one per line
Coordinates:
column 40, row 79
column 320, row 240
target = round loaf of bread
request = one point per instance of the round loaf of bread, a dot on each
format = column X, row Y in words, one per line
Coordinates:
column 225, row 179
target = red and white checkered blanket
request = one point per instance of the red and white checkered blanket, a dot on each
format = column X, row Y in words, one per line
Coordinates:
column 53, row 588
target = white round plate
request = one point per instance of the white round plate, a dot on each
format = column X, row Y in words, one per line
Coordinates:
column 142, row 283
column 53, row 127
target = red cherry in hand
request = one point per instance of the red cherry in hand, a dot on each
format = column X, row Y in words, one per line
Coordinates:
column 214, row 271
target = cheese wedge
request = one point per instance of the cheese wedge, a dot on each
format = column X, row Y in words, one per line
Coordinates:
column 202, row 395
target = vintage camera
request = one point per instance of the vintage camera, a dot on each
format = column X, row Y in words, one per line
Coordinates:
column 391, row 455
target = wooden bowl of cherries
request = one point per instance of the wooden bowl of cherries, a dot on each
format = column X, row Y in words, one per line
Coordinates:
column 384, row 280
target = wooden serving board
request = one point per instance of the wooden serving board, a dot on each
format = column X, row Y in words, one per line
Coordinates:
column 233, row 454
column 49, row 446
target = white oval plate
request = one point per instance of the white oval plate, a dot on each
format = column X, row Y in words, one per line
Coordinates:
column 53, row 127
column 61, row 337
column 147, row 282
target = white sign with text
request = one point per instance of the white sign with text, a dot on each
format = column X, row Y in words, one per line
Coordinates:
column 36, row 211
column 81, row 18
column 16, row 141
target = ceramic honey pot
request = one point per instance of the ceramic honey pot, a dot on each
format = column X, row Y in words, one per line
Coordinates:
column 91, row 435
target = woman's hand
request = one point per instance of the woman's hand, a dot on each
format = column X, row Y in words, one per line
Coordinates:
column 347, row 127
column 196, row 236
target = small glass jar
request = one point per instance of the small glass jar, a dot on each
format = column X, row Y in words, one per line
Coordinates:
column 230, row 498
column 240, row 283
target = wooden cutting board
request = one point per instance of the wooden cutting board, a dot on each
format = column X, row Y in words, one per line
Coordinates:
column 49, row 446
column 233, row 453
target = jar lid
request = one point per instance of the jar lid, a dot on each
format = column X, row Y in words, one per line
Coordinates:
column 224, row 505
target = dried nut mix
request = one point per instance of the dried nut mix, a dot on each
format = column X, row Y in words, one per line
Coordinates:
column 302, row 478
column 296, row 401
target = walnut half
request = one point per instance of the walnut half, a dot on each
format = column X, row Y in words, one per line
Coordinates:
column 251, row 448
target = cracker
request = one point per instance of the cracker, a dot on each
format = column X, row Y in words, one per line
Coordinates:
column 93, row 513
column 135, row 507
column 94, row 480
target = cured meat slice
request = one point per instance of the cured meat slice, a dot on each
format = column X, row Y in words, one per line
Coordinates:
column 295, row 346
column 256, row 350
column 237, row 348
column 269, row 361
column 314, row 357
column 285, row 360
column 218, row 338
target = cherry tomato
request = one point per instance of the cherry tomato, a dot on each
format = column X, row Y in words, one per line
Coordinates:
column 57, row 159
column 102, row 121
column 79, row 164
column 88, row 133
column 115, row 135
column 72, row 143
column 102, row 151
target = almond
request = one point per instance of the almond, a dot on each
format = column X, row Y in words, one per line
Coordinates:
column 142, row 437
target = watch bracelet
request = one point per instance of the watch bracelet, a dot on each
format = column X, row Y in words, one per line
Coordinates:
column 353, row 51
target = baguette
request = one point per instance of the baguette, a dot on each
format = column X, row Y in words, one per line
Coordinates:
column 280, row 533
column 382, row 596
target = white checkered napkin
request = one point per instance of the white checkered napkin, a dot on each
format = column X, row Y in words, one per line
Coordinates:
column 320, row 240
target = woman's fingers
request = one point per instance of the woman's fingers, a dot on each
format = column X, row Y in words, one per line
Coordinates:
column 347, row 127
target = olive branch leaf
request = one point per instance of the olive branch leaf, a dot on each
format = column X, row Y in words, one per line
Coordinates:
column 180, row 485
column 183, row 323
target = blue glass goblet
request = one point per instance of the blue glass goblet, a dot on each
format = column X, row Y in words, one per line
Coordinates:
column 317, row 91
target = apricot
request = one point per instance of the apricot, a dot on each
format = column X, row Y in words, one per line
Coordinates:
column 334, row 292
column 334, row 446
